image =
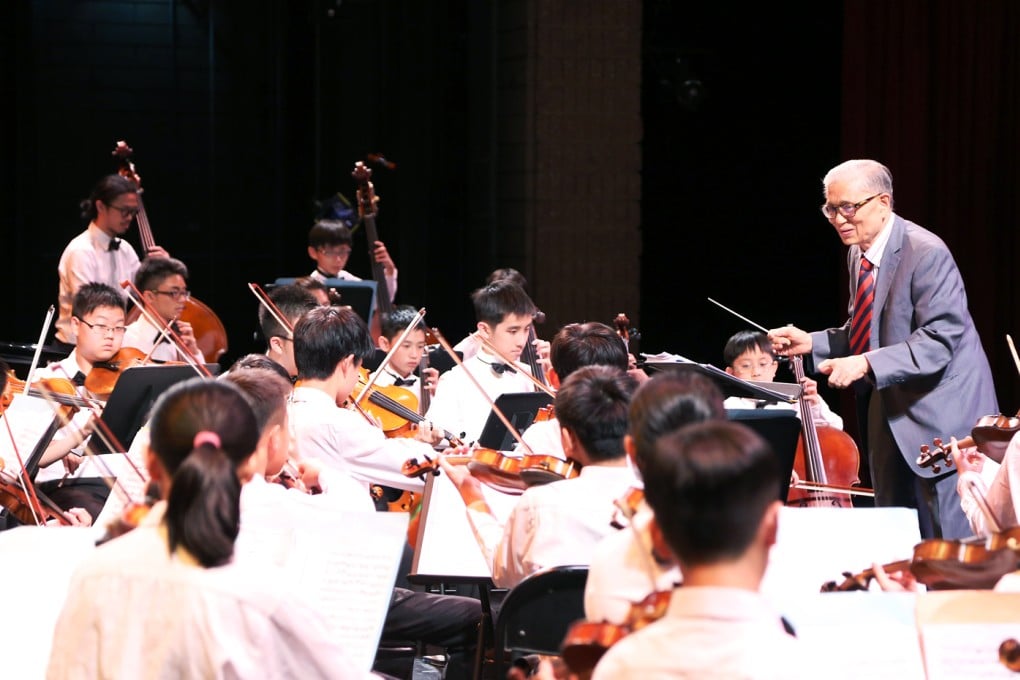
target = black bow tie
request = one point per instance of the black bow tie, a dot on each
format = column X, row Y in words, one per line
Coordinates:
column 114, row 244
column 78, row 379
column 401, row 382
column 500, row 369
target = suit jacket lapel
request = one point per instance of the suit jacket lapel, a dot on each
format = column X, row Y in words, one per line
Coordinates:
column 886, row 272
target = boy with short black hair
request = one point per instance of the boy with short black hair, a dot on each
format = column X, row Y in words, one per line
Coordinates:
column 712, row 487
column 163, row 283
column 329, row 246
column 504, row 313
column 749, row 356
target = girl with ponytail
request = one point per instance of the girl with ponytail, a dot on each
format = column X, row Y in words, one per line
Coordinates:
column 167, row 599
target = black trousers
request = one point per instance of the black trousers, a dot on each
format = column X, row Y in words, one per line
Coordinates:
column 447, row 621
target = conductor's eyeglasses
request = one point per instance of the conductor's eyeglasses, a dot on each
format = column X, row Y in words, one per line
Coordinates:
column 847, row 210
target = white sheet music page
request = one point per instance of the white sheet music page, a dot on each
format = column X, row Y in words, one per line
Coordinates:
column 130, row 485
column 21, row 426
column 816, row 545
column 38, row 563
column 343, row 564
column 879, row 625
column 446, row 546
column 961, row 631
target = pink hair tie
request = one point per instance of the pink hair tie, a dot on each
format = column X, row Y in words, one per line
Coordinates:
column 207, row 437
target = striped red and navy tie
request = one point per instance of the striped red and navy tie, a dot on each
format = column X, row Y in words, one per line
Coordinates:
column 860, row 325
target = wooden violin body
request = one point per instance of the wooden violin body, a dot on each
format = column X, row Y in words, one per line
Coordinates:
column 501, row 472
column 586, row 641
column 943, row 564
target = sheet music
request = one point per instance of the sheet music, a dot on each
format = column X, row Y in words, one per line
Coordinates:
column 961, row 631
column 878, row 629
column 28, row 417
column 129, row 487
column 816, row 545
column 38, row 563
column 343, row 564
column 447, row 546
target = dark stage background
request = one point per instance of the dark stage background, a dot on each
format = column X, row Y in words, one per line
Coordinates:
column 242, row 114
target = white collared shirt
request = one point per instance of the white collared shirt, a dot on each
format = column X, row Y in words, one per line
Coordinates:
column 345, row 440
column 142, row 336
column 544, row 439
column 552, row 525
column 458, row 407
column 88, row 259
column 708, row 633
column 65, row 368
column 623, row 572
column 135, row 611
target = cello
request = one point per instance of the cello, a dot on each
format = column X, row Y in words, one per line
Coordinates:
column 825, row 457
column 210, row 334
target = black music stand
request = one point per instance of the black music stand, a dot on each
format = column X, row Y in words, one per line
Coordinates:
column 132, row 398
column 732, row 386
column 520, row 408
column 358, row 295
column 781, row 429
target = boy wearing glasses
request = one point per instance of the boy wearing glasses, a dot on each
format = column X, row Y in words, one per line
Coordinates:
column 99, row 254
column 97, row 321
column 749, row 356
column 163, row 283
column 329, row 245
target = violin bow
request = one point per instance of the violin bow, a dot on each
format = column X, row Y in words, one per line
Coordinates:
column 105, row 435
column 26, row 485
column 538, row 383
column 1012, row 350
column 38, row 347
column 271, row 307
column 495, row 409
column 389, row 355
column 135, row 296
column 978, row 490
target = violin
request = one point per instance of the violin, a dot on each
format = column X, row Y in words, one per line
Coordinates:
column 586, row 641
column 132, row 515
column 59, row 390
column 823, row 455
column 210, row 334
column 538, row 469
column 492, row 468
column 396, row 408
column 942, row 564
column 991, row 435
column 21, row 506
column 104, row 374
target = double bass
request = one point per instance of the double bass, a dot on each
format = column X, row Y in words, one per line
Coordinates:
column 367, row 210
column 210, row 333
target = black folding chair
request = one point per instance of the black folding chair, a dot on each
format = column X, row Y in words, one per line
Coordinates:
column 537, row 613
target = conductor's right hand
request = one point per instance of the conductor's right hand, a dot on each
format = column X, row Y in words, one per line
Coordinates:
column 790, row 340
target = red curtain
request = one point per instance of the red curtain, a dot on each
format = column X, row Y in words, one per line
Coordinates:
column 931, row 89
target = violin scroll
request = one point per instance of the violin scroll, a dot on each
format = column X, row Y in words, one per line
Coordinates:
column 935, row 457
column 1009, row 654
